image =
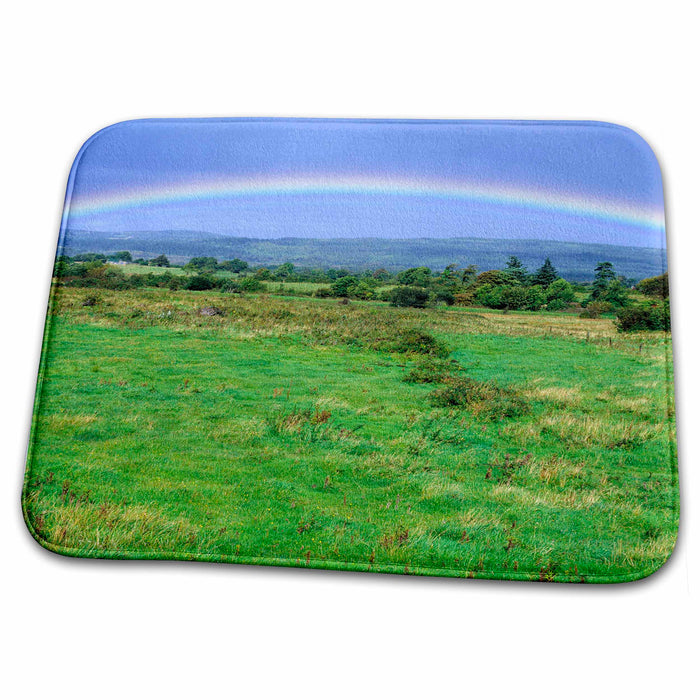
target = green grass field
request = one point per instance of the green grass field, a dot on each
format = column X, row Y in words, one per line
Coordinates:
column 297, row 431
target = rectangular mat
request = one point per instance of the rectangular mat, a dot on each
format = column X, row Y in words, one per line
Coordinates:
column 421, row 347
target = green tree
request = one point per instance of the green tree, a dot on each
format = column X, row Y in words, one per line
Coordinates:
column 200, row 283
column 497, row 277
column 262, row 273
column 654, row 286
column 409, row 296
column 517, row 271
column 449, row 274
column 236, row 265
column 381, row 275
column 490, row 295
column 123, row 255
column 284, row 270
column 545, row 275
column 648, row 316
column 604, row 275
column 514, row 297
column 535, row 299
column 559, row 294
column 616, row 294
column 415, row 277
column 160, row 261
column 469, row 274
column 343, row 286
column 202, row 263
column 250, row 284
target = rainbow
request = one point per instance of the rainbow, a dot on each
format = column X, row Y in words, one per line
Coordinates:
column 79, row 207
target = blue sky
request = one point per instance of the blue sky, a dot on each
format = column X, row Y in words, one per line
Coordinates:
column 276, row 178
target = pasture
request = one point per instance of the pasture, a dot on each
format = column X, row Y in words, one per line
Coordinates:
column 300, row 431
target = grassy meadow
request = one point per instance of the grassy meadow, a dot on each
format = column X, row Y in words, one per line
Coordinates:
column 306, row 432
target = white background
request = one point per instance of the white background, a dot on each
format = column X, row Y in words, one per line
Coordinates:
column 79, row 629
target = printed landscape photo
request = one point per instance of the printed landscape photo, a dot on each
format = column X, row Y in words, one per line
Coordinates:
column 434, row 348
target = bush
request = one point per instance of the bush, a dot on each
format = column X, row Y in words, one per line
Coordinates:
column 201, row 263
column 362, row 290
column 409, row 296
column 323, row 293
column 486, row 399
column 595, row 309
column 430, row 371
column 415, row 341
column 654, row 286
column 645, row 317
column 494, row 277
column 490, row 296
column 200, row 283
column 342, row 287
column 535, row 299
column 556, row 305
column 464, row 298
column 251, row 284
column 415, row 277
column 445, row 296
column 514, row 297
column 559, row 291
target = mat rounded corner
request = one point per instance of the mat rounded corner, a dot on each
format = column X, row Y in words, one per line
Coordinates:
column 639, row 142
column 33, row 525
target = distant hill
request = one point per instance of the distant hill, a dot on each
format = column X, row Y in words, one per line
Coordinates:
column 575, row 261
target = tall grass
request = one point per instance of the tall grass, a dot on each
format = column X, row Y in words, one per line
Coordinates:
column 302, row 432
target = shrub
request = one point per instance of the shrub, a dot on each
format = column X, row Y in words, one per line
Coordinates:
column 323, row 292
column 595, row 309
column 362, row 290
column 645, row 317
column 493, row 277
column 654, row 286
column 200, row 283
column 230, row 286
column 420, row 343
column 535, row 299
column 556, row 305
column 251, row 284
column 415, row 277
column 343, row 286
column 490, row 296
column 445, row 296
column 560, row 290
column 409, row 296
column 514, row 297
column 430, row 371
column 201, row 263
column 464, row 298
column 486, row 399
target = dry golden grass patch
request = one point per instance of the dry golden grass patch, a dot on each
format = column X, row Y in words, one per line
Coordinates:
column 437, row 485
column 601, row 430
column 569, row 498
column 61, row 421
column 561, row 396
column 650, row 550
column 83, row 526
column 522, row 434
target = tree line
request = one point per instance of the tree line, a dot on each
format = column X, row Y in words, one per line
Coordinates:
column 513, row 287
